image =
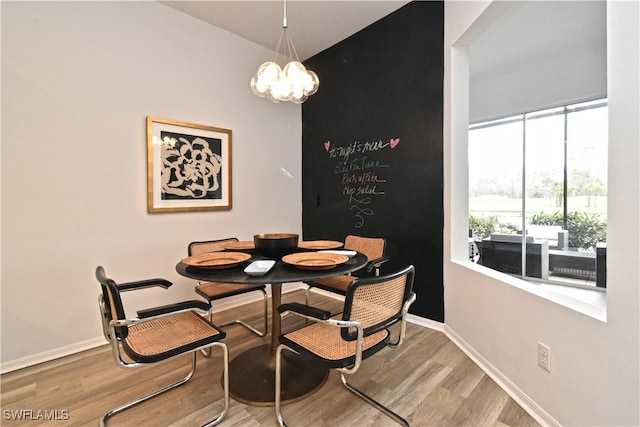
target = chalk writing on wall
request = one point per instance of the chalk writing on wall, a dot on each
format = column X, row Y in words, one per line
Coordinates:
column 363, row 172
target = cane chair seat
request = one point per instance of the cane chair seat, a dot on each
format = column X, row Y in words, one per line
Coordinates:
column 213, row 291
column 326, row 343
column 217, row 290
column 161, row 338
column 372, row 306
column 336, row 284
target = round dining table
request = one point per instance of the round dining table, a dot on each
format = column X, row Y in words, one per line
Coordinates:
column 252, row 372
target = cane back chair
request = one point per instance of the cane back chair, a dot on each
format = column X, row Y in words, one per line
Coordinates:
column 372, row 305
column 157, row 334
column 213, row 291
column 373, row 248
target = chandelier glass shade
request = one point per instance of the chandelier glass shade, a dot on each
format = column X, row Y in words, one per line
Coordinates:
column 291, row 82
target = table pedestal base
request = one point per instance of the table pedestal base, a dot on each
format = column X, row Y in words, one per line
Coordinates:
column 252, row 376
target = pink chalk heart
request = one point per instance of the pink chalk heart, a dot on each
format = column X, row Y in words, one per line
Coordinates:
column 327, row 145
column 393, row 142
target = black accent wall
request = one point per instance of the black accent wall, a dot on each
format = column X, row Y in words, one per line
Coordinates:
column 372, row 144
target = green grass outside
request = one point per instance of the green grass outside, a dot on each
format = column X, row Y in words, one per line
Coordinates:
column 506, row 207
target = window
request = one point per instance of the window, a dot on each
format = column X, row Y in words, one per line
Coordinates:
column 544, row 172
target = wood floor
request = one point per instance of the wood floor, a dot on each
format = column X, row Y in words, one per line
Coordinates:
column 428, row 380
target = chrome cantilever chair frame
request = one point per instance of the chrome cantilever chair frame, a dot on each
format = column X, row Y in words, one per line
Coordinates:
column 322, row 316
column 111, row 328
column 228, row 289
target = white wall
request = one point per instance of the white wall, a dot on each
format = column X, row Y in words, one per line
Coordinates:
column 595, row 374
column 78, row 80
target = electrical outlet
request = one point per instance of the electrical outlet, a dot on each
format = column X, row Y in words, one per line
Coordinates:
column 544, row 357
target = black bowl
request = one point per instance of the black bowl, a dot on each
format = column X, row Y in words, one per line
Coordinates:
column 276, row 245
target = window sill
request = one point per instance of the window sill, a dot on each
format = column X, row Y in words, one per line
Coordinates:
column 592, row 303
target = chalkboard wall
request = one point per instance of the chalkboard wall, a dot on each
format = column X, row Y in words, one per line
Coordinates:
column 372, row 144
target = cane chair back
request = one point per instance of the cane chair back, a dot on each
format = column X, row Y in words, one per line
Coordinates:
column 197, row 248
column 156, row 334
column 375, row 304
column 213, row 291
column 372, row 247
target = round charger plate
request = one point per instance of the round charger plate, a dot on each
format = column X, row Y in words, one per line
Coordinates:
column 314, row 260
column 243, row 245
column 320, row 244
column 216, row 260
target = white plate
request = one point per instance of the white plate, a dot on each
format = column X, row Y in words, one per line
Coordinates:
column 259, row 268
column 340, row 252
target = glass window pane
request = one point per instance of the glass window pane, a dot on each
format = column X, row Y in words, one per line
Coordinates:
column 495, row 172
column 587, row 170
column 544, row 169
column 495, row 191
column 544, row 162
column 587, row 141
column 565, row 166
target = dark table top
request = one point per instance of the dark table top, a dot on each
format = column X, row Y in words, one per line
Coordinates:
column 280, row 273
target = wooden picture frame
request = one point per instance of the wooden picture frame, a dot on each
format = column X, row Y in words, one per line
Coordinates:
column 188, row 166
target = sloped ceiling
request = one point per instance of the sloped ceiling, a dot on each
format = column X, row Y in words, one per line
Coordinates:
column 313, row 25
column 532, row 28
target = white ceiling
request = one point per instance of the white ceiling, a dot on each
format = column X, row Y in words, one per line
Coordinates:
column 530, row 29
column 313, row 25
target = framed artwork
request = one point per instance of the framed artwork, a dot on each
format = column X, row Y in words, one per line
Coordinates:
column 188, row 166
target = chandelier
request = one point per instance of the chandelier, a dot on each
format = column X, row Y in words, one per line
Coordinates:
column 292, row 82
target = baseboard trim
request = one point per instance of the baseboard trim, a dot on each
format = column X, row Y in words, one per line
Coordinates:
column 426, row 323
column 56, row 353
column 521, row 398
